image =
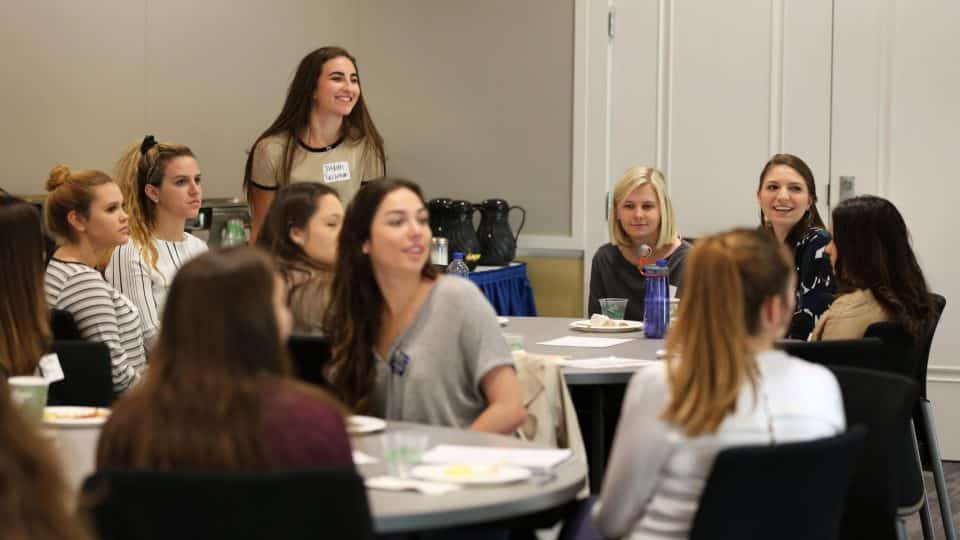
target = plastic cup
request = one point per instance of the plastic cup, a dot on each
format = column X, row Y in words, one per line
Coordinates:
column 402, row 450
column 615, row 308
column 30, row 395
column 515, row 342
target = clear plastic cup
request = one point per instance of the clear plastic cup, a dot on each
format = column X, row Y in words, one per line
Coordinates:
column 402, row 450
column 615, row 308
column 515, row 342
column 30, row 395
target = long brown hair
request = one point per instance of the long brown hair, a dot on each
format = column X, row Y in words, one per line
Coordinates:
column 144, row 164
column 729, row 277
column 811, row 218
column 24, row 317
column 294, row 117
column 353, row 321
column 33, row 493
column 873, row 252
column 69, row 191
column 199, row 406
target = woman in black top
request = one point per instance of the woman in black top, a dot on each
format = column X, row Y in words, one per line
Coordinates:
column 787, row 196
column 641, row 215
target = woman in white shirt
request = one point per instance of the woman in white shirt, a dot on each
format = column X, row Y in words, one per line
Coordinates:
column 722, row 385
column 161, row 185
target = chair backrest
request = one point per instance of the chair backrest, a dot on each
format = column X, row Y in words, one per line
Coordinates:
column 866, row 353
column 783, row 491
column 63, row 326
column 881, row 402
column 87, row 376
column 310, row 354
column 292, row 505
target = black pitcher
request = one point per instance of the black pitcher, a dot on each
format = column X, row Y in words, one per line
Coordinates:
column 440, row 217
column 461, row 235
column 498, row 244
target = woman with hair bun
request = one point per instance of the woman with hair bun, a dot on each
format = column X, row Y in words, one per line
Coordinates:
column 161, row 185
column 84, row 213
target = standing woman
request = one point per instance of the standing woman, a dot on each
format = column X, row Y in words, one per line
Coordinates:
column 219, row 395
column 24, row 316
column 642, row 215
column 161, row 185
column 300, row 232
column 787, row 196
column 878, row 276
column 84, row 213
column 324, row 133
column 409, row 345
column 722, row 384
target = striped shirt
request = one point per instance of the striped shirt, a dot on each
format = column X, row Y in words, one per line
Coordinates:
column 656, row 474
column 101, row 313
column 145, row 286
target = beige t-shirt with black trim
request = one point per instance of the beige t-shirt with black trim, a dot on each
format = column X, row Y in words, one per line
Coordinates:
column 343, row 167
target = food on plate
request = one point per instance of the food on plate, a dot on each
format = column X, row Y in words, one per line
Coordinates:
column 80, row 413
column 463, row 471
column 598, row 320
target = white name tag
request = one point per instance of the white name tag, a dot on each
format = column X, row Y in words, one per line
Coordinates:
column 50, row 368
column 338, row 171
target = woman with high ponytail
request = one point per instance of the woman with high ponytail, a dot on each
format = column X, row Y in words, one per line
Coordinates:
column 84, row 213
column 722, row 384
column 161, row 185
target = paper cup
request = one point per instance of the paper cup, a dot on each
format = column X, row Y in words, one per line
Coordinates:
column 30, row 395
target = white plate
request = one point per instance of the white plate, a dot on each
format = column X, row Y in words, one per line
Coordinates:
column 503, row 321
column 629, row 326
column 75, row 416
column 357, row 424
column 471, row 474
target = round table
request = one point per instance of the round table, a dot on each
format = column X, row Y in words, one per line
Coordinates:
column 404, row 511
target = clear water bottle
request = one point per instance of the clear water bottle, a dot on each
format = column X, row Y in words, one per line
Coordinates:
column 235, row 234
column 656, row 299
column 458, row 267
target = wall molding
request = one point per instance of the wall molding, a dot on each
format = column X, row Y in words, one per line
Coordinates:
column 665, row 44
column 943, row 373
column 776, row 76
column 885, row 47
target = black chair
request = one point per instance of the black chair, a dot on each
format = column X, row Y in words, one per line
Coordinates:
column 63, row 326
column 310, row 354
column 881, row 402
column 290, row 505
column 784, row 491
column 87, row 374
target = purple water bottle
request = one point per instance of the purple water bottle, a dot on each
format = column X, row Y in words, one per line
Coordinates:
column 656, row 300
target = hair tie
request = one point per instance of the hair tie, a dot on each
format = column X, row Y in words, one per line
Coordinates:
column 148, row 142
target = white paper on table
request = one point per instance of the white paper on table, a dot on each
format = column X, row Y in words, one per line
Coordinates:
column 531, row 458
column 359, row 458
column 577, row 341
column 607, row 362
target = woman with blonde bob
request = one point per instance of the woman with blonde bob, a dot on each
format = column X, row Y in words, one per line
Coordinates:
column 642, row 230
column 722, row 385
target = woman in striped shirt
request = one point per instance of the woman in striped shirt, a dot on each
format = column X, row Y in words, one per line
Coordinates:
column 721, row 385
column 161, row 184
column 84, row 213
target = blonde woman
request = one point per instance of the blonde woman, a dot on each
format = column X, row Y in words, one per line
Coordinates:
column 642, row 228
column 722, row 385
column 161, row 186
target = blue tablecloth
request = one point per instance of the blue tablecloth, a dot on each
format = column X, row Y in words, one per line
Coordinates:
column 508, row 289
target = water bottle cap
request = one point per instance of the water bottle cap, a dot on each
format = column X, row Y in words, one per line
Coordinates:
column 457, row 255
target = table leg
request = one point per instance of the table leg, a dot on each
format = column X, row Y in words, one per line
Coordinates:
column 598, row 446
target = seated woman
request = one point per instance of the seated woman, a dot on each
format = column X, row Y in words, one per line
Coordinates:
column 300, row 231
column 409, row 345
column 219, row 395
column 84, row 213
column 24, row 316
column 34, row 497
column 787, row 195
column 161, row 185
column 878, row 276
column 641, row 215
column 722, row 385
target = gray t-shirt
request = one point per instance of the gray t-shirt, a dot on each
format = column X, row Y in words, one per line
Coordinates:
column 433, row 371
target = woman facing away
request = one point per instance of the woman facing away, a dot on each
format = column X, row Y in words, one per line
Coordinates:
column 642, row 215
column 721, row 385
column 84, row 213
column 409, row 345
column 300, row 231
column 323, row 133
column 161, row 185
column 878, row 276
column 219, row 395
column 24, row 316
column 35, row 500
column 787, row 195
